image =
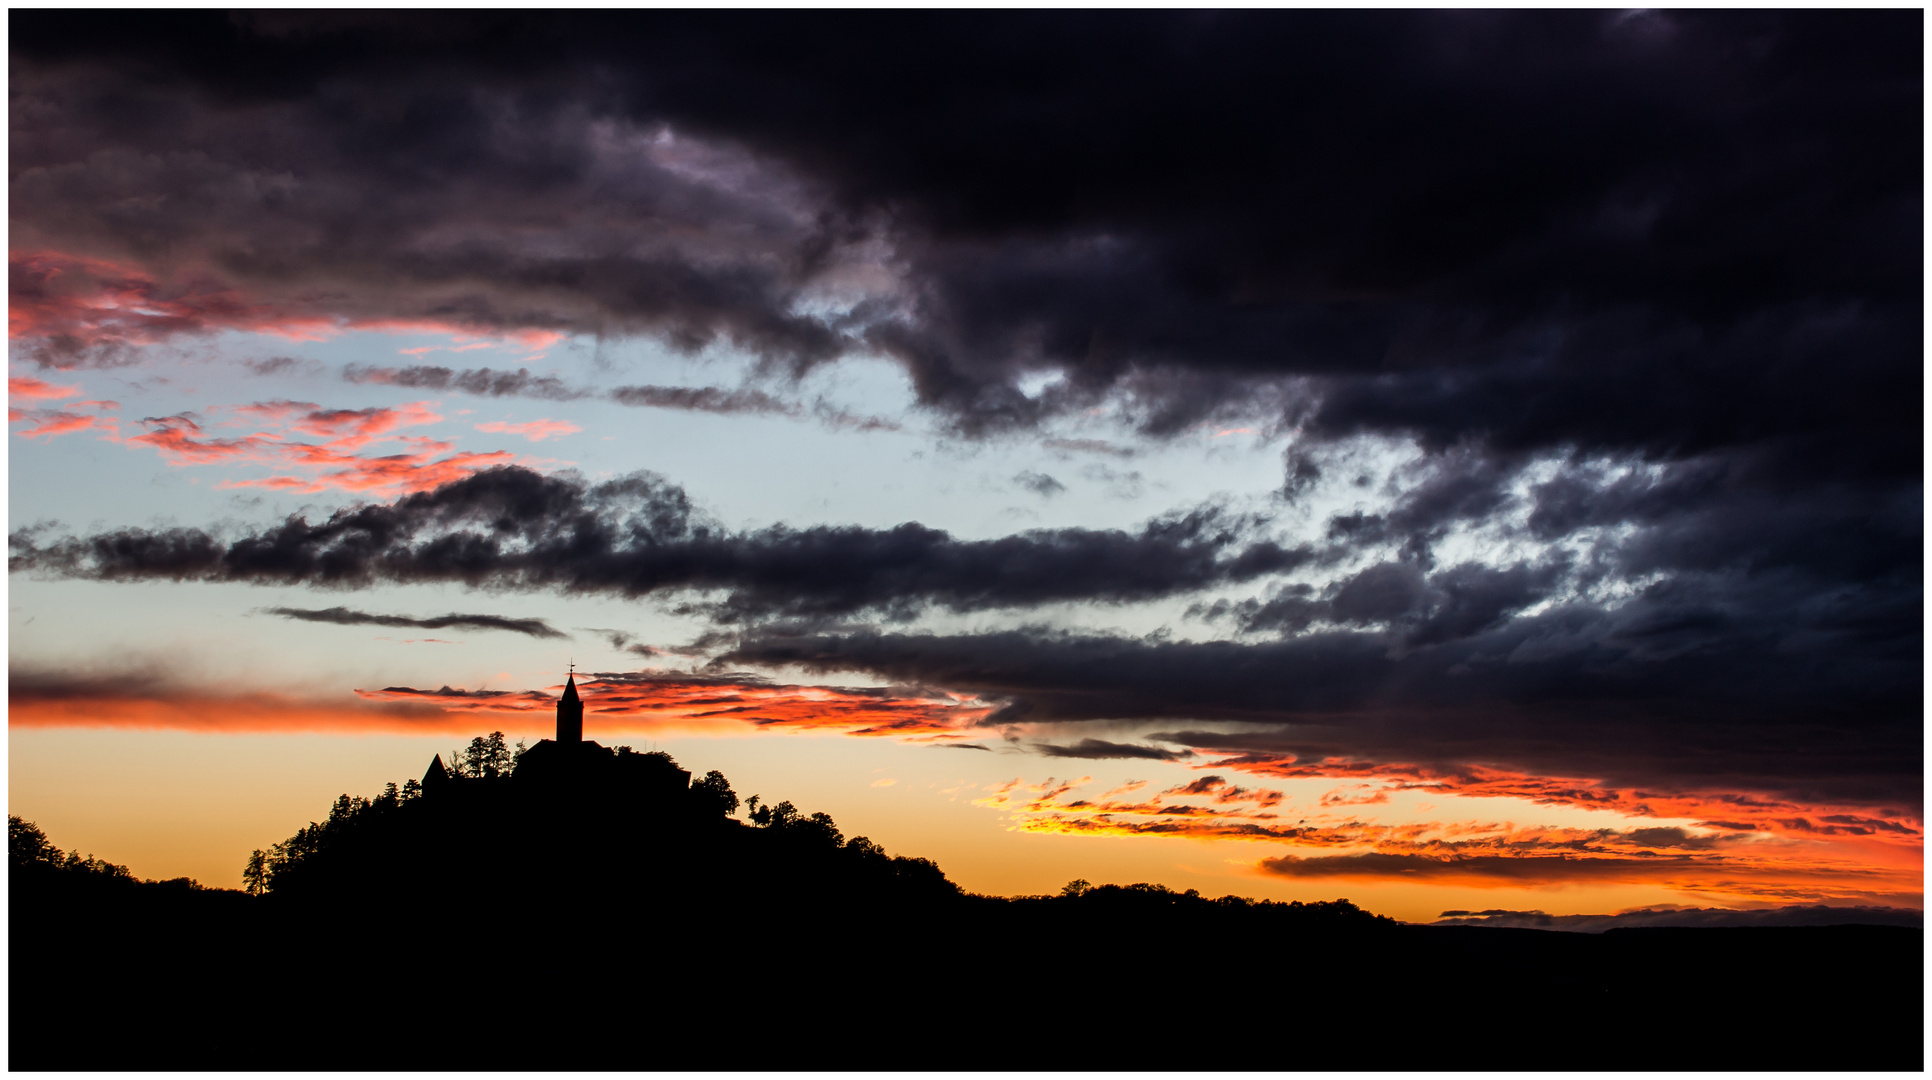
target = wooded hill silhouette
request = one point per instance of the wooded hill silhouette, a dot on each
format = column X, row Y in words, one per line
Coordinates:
column 569, row 821
column 591, row 907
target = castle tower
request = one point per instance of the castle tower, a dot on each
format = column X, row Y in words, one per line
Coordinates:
column 570, row 713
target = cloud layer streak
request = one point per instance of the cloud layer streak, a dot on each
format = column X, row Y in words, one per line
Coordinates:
column 640, row 536
column 342, row 616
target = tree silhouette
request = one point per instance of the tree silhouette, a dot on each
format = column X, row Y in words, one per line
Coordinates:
column 714, row 794
column 781, row 817
column 28, row 846
column 29, row 849
column 821, row 829
column 255, row 874
column 487, row 757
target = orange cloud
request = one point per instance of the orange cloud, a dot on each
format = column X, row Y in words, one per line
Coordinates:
column 1707, row 860
column 1356, row 795
column 232, row 713
column 535, row 430
column 618, row 700
column 1224, row 793
column 637, row 701
column 1731, row 811
column 1741, row 876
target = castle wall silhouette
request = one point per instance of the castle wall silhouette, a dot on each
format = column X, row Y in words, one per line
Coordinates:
column 572, row 762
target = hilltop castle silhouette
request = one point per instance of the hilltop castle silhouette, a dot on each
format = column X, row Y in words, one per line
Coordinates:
column 571, row 762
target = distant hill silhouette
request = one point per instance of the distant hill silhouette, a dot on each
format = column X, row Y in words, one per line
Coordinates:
column 588, row 907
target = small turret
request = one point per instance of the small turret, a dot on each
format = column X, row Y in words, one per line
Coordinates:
column 436, row 776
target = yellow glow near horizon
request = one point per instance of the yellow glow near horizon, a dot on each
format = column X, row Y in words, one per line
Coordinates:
column 171, row 803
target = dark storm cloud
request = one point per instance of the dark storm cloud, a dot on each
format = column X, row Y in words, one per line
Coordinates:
column 1417, row 608
column 1098, row 749
column 1655, row 234
column 1744, row 702
column 509, row 528
column 1684, row 240
column 342, row 616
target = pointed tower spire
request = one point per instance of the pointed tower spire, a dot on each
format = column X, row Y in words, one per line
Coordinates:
column 570, row 711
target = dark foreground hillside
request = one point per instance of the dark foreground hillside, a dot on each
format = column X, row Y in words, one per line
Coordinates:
column 495, row 930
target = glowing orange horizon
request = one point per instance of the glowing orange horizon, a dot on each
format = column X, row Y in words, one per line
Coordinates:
column 1738, row 812
column 1325, row 837
column 841, row 710
column 1326, row 845
column 641, row 705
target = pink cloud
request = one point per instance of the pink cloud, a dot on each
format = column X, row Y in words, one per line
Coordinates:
column 97, row 302
column 180, row 439
column 535, row 339
column 47, row 423
column 20, row 386
column 340, row 463
column 535, row 430
column 50, row 423
column 85, row 303
column 280, row 411
column 407, row 472
column 354, row 428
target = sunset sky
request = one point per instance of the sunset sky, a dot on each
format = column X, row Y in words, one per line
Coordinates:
column 1450, row 461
